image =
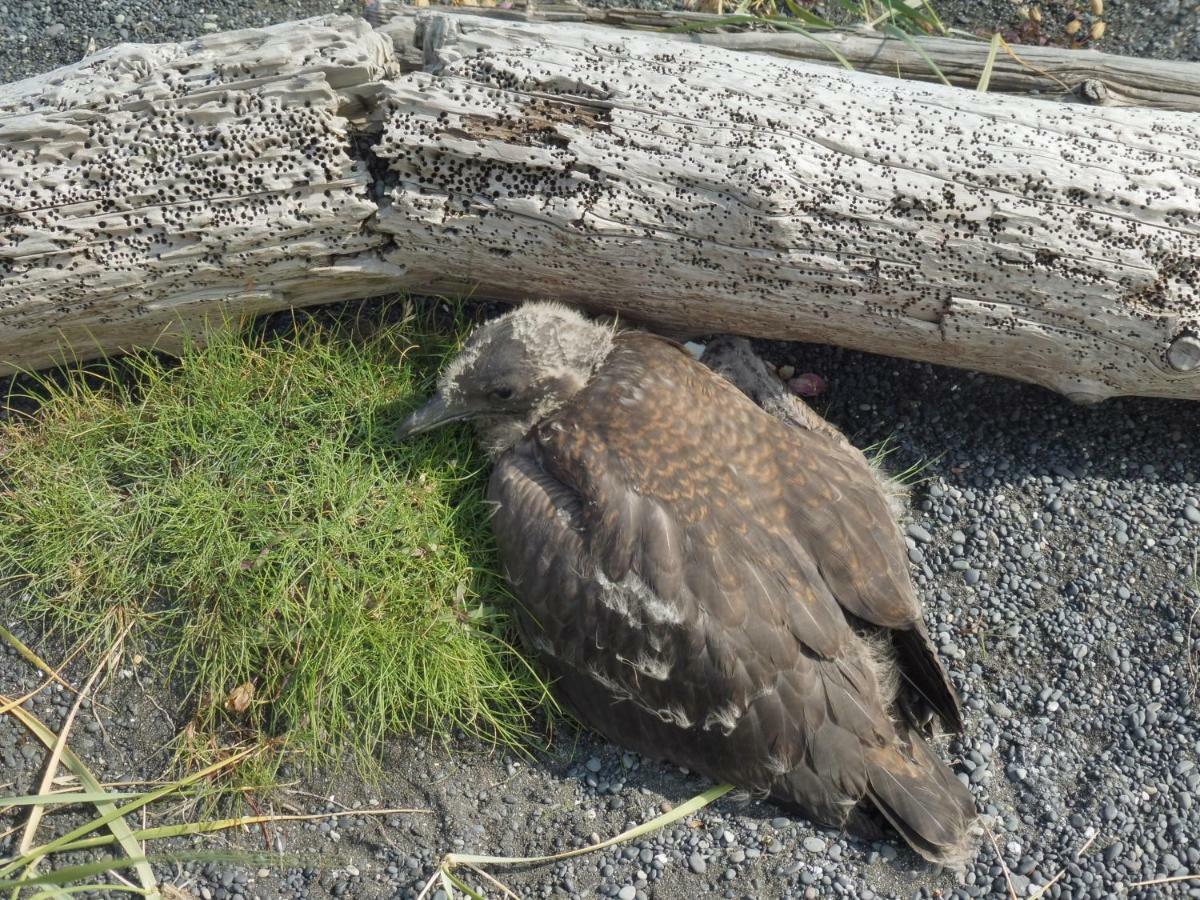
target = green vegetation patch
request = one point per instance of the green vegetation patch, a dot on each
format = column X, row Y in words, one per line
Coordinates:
column 245, row 511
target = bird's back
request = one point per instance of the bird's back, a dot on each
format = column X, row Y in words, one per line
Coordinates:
column 658, row 422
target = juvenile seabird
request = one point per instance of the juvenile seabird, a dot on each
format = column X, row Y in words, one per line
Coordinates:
column 705, row 583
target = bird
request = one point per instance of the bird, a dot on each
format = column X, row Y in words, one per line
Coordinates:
column 704, row 582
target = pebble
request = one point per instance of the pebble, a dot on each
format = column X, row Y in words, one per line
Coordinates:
column 918, row 533
column 814, row 844
column 697, row 864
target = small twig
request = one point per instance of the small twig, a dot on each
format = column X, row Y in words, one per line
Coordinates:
column 125, row 881
column 99, row 720
column 153, row 702
column 1041, row 892
column 383, row 833
column 40, row 664
column 1171, row 880
column 1191, row 660
column 1012, row 893
column 1032, row 68
column 36, row 661
column 436, row 876
column 501, row 885
column 261, row 824
column 503, row 781
column 22, row 700
column 167, row 831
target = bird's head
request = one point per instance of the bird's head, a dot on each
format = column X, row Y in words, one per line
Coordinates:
column 513, row 372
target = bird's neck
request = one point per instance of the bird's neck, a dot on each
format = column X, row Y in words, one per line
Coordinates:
column 576, row 358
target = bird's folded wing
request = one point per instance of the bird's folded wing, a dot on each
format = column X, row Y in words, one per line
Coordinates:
column 648, row 611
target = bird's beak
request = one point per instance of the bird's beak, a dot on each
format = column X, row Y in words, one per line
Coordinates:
column 431, row 415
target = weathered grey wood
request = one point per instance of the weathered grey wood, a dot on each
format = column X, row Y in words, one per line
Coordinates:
column 151, row 186
column 712, row 191
column 1087, row 76
column 685, row 185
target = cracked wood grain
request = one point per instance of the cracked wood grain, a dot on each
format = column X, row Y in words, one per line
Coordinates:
column 692, row 187
column 151, row 187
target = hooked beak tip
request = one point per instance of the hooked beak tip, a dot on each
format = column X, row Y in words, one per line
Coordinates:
column 430, row 416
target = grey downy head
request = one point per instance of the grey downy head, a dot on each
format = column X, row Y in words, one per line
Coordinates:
column 513, row 372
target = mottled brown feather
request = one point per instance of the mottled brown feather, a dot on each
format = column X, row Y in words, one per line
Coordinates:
column 691, row 570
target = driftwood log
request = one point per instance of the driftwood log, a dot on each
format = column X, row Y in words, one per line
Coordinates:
column 1083, row 76
column 695, row 187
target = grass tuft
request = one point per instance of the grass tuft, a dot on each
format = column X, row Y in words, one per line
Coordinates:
column 245, row 513
column 906, row 16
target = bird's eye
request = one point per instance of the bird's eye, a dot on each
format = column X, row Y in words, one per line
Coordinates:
column 504, row 393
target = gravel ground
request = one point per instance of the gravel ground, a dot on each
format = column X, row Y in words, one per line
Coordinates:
column 1055, row 547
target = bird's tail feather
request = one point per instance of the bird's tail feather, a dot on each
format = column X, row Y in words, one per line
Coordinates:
column 924, row 681
column 922, row 799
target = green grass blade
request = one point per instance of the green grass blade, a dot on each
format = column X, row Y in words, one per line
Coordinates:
column 913, row 476
column 916, row 16
column 681, row 811
column 893, row 31
column 738, row 18
column 464, row 887
column 63, row 799
column 939, row 26
column 89, row 888
column 985, row 76
column 30, row 657
column 116, row 824
column 186, row 829
column 796, row 11
column 787, row 26
column 60, row 880
column 63, row 877
column 116, row 813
